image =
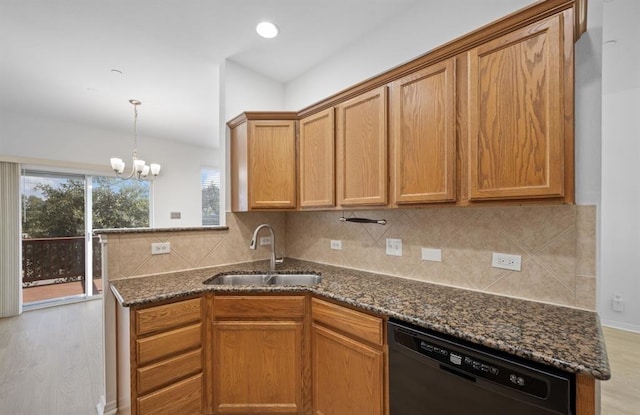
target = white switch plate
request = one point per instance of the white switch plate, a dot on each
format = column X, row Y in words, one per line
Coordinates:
column 265, row 240
column 394, row 247
column 432, row 254
column 160, row 248
column 506, row 261
column 336, row 244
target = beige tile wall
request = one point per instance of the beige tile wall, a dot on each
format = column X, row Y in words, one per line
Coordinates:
column 557, row 244
column 129, row 255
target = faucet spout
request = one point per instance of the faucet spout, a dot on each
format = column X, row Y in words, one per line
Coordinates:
column 254, row 244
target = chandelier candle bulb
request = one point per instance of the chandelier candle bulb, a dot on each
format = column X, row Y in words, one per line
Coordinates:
column 139, row 165
column 117, row 165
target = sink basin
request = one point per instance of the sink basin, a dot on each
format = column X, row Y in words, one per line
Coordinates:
column 278, row 279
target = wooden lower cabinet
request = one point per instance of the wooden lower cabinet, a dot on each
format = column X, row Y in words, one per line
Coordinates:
column 160, row 359
column 347, row 375
column 348, row 371
column 263, row 354
column 258, row 354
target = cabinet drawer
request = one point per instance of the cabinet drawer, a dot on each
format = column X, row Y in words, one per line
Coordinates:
column 169, row 371
column 168, row 316
column 165, row 344
column 184, row 398
column 355, row 323
column 259, row 307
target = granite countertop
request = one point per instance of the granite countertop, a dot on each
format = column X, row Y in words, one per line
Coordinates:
column 567, row 338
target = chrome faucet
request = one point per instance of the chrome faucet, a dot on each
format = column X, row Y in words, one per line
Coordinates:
column 254, row 245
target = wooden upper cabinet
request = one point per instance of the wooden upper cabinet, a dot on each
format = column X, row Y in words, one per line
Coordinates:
column 317, row 160
column 362, row 149
column 423, row 135
column 517, row 138
column 263, row 163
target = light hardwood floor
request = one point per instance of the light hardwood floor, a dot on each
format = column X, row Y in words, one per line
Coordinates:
column 51, row 361
column 621, row 393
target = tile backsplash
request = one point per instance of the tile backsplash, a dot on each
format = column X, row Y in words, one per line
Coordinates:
column 129, row 254
column 557, row 245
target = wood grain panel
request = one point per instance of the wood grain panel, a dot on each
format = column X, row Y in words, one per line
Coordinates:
column 356, row 324
column 516, row 114
column 272, row 164
column 361, row 153
column 347, row 375
column 168, row 343
column 317, row 160
column 184, row 398
column 423, row 135
column 239, row 168
column 258, row 367
column 585, row 395
column 263, row 307
column 169, row 371
column 168, row 316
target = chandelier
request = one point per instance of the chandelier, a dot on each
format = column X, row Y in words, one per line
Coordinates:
column 139, row 169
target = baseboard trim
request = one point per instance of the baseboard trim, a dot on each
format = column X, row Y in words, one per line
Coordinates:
column 103, row 409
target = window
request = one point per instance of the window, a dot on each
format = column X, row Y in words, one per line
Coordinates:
column 210, row 182
column 61, row 258
column 120, row 203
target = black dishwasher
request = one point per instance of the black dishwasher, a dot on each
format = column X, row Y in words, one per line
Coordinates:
column 430, row 373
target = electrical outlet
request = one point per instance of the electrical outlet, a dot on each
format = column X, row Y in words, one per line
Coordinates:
column 506, row 261
column 618, row 303
column 265, row 240
column 159, row 248
column 335, row 244
column 394, row 247
column 431, row 254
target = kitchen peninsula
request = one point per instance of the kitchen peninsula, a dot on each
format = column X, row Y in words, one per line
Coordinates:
column 565, row 338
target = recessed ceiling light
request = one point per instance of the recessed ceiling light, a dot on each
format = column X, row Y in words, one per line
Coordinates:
column 267, row 30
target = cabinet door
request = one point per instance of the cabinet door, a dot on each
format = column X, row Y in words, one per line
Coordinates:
column 272, row 164
column 362, row 149
column 257, row 367
column 347, row 375
column 516, row 114
column 317, row 160
column 423, row 135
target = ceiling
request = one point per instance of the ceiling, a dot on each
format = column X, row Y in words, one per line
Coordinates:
column 58, row 57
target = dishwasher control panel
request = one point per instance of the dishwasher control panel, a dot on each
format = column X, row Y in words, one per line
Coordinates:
column 473, row 363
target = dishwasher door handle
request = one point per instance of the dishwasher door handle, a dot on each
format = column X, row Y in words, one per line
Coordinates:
column 456, row 372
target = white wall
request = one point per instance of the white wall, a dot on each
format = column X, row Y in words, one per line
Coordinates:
column 588, row 108
column 244, row 90
column 620, row 213
column 423, row 27
column 177, row 189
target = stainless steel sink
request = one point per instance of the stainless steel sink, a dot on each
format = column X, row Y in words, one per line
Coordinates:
column 278, row 279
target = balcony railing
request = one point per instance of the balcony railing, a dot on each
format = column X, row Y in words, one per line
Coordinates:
column 61, row 260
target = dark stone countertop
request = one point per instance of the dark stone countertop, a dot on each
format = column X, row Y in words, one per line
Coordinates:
column 567, row 338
